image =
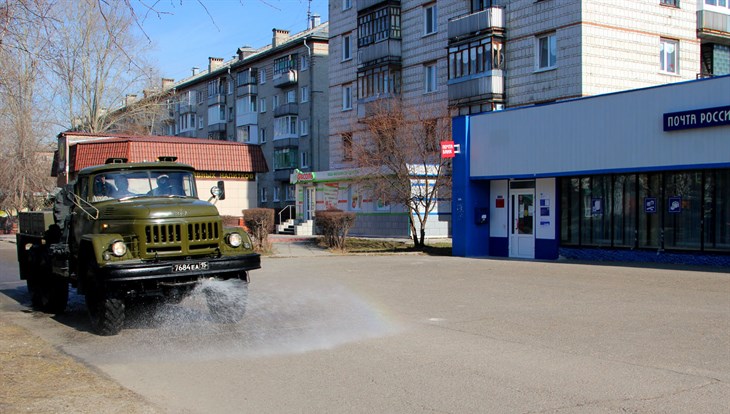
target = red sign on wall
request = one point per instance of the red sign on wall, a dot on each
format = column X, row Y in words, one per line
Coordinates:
column 447, row 149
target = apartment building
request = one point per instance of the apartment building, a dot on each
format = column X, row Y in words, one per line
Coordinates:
column 475, row 56
column 274, row 97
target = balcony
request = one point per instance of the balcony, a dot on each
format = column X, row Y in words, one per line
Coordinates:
column 486, row 87
column 247, row 89
column 288, row 78
column 286, row 109
column 385, row 52
column 247, row 118
column 216, row 99
column 376, row 105
column 713, row 26
column 291, row 142
column 217, row 127
column 184, row 108
column 366, row 4
column 283, row 174
column 484, row 21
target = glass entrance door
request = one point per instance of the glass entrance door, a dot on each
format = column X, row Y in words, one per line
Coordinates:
column 310, row 202
column 522, row 232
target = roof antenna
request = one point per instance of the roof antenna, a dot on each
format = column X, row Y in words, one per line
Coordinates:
column 310, row 24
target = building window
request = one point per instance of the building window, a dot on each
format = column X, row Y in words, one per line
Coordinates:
column 242, row 133
column 304, row 62
column 262, row 135
column 304, row 161
column 286, row 127
column 262, row 105
column 201, row 122
column 290, row 192
column 291, row 96
column 285, row 158
column 304, row 94
column 263, row 194
column 275, row 101
column 429, row 78
column 480, row 56
column 379, row 25
column 720, row 3
column 303, row 127
column 246, row 77
column 347, row 147
column 262, row 76
column 430, row 25
column 380, row 81
column 346, row 4
column 276, row 193
column 214, row 87
column 546, row 53
column 669, row 56
column 675, row 3
column 216, row 114
column 285, row 64
column 346, row 47
column 346, row 97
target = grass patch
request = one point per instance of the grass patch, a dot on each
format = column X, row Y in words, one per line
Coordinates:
column 375, row 246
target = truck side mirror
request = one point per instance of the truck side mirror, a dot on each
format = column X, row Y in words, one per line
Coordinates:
column 219, row 191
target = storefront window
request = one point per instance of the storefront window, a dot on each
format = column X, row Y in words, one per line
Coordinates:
column 678, row 210
column 624, row 210
column 682, row 223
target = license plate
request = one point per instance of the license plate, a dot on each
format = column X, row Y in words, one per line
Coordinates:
column 189, row 267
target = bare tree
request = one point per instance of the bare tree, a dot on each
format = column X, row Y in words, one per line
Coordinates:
column 399, row 149
column 96, row 61
column 24, row 156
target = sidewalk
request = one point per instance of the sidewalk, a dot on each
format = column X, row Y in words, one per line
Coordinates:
column 283, row 245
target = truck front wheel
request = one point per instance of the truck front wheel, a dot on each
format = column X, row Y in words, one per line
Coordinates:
column 106, row 313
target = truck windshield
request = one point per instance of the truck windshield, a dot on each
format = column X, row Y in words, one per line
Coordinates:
column 156, row 183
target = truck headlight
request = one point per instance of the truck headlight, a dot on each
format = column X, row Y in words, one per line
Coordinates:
column 119, row 249
column 234, row 239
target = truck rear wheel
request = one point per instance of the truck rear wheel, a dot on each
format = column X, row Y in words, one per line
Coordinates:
column 227, row 304
column 48, row 293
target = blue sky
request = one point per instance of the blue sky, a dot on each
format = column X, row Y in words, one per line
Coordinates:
column 185, row 34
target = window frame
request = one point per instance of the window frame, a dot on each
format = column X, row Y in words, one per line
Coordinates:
column 430, row 19
column 347, row 46
column 664, row 59
column 347, row 97
column 552, row 51
column 430, row 77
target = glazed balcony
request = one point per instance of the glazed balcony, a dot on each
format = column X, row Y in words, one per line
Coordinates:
column 484, row 21
column 247, row 89
column 366, row 4
column 384, row 52
column 486, row 87
column 713, row 26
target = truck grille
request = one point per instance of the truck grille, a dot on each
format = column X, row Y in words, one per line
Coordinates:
column 177, row 238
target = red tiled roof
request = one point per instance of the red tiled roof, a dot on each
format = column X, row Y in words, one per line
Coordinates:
column 203, row 154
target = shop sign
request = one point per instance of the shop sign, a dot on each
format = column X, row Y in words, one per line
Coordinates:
column 302, row 177
column 698, row 118
column 236, row 176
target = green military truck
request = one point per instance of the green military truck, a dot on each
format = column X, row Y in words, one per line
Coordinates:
column 127, row 233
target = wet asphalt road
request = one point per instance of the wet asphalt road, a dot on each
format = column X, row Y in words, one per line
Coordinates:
column 412, row 334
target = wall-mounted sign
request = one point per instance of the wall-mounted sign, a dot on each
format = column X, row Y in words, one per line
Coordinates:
column 675, row 204
column 499, row 202
column 238, row 176
column 698, row 118
column 447, row 149
column 650, row 205
column 597, row 206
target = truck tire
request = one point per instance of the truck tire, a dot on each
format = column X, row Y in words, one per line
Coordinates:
column 52, row 295
column 106, row 313
column 228, row 305
column 48, row 293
